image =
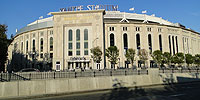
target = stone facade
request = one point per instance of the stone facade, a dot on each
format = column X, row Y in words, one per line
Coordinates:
column 72, row 52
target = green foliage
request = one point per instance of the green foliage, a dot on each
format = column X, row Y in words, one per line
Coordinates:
column 167, row 58
column 96, row 54
column 112, row 53
column 4, row 46
column 130, row 55
column 178, row 58
column 189, row 59
column 143, row 55
column 157, row 56
column 197, row 59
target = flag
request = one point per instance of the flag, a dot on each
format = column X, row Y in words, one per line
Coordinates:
column 131, row 9
column 144, row 12
column 153, row 15
column 40, row 17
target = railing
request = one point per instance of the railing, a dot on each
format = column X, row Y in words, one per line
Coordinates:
column 179, row 70
column 70, row 74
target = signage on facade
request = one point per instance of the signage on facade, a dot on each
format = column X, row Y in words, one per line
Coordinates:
column 91, row 7
column 77, row 58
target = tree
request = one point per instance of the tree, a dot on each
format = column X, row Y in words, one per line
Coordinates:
column 167, row 58
column 96, row 54
column 143, row 55
column 197, row 59
column 189, row 59
column 130, row 55
column 178, row 58
column 157, row 57
column 4, row 46
column 112, row 53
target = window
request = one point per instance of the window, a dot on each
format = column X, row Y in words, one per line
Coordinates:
column 41, row 33
column 70, row 35
column 70, row 53
column 41, row 45
column 33, row 34
column 51, row 43
column 170, row 44
column 21, row 46
column 85, row 45
column 138, row 41
column 51, row 32
column 125, row 41
column 112, row 39
column 149, row 29
column 86, row 42
column 85, row 34
column 125, row 28
column 26, row 46
column 33, row 46
column 173, row 45
column 176, row 44
column 70, row 46
column 78, row 52
column 77, row 35
column 183, row 45
column 137, row 28
column 77, row 45
column 159, row 30
column 160, row 42
column 112, row 28
column 51, row 55
column 85, row 52
column 150, row 43
column 41, row 55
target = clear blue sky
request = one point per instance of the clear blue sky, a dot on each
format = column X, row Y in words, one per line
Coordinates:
column 19, row 13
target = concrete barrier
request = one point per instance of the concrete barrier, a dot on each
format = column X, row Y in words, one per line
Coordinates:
column 67, row 85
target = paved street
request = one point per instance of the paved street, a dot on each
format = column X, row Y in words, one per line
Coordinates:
column 189, row 91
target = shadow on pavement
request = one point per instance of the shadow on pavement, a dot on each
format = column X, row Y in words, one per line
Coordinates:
column 119, row 92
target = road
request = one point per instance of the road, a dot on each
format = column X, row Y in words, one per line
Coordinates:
column 189, row 91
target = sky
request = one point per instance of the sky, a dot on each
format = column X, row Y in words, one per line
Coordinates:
column 18, row 13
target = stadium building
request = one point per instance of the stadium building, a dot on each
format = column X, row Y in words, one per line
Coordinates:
column 63, row 41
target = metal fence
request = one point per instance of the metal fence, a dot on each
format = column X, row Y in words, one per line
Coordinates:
column 90, row 73
column 70, row 74
column 179, row 71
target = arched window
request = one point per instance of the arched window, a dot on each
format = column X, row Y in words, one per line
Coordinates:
column 21, row 46
column 150, row 43
column 85, row 41
column 183, row 44
column 33, row 45
column 112, row 39
column 160, row 42
column 86, row 34
column 138, row 41
column 125, row 38
column 169, row 38
column 27, row 46
column 176, row 44
column 41, row 45
column 77, row 35
column 51, row 43
column 78, row 45
column 173, row 45
column 70, row 35
column 70, row 44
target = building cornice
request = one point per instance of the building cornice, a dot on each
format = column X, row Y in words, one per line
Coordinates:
column 76, row 12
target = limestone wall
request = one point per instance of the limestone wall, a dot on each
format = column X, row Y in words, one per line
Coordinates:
column 39, row 87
